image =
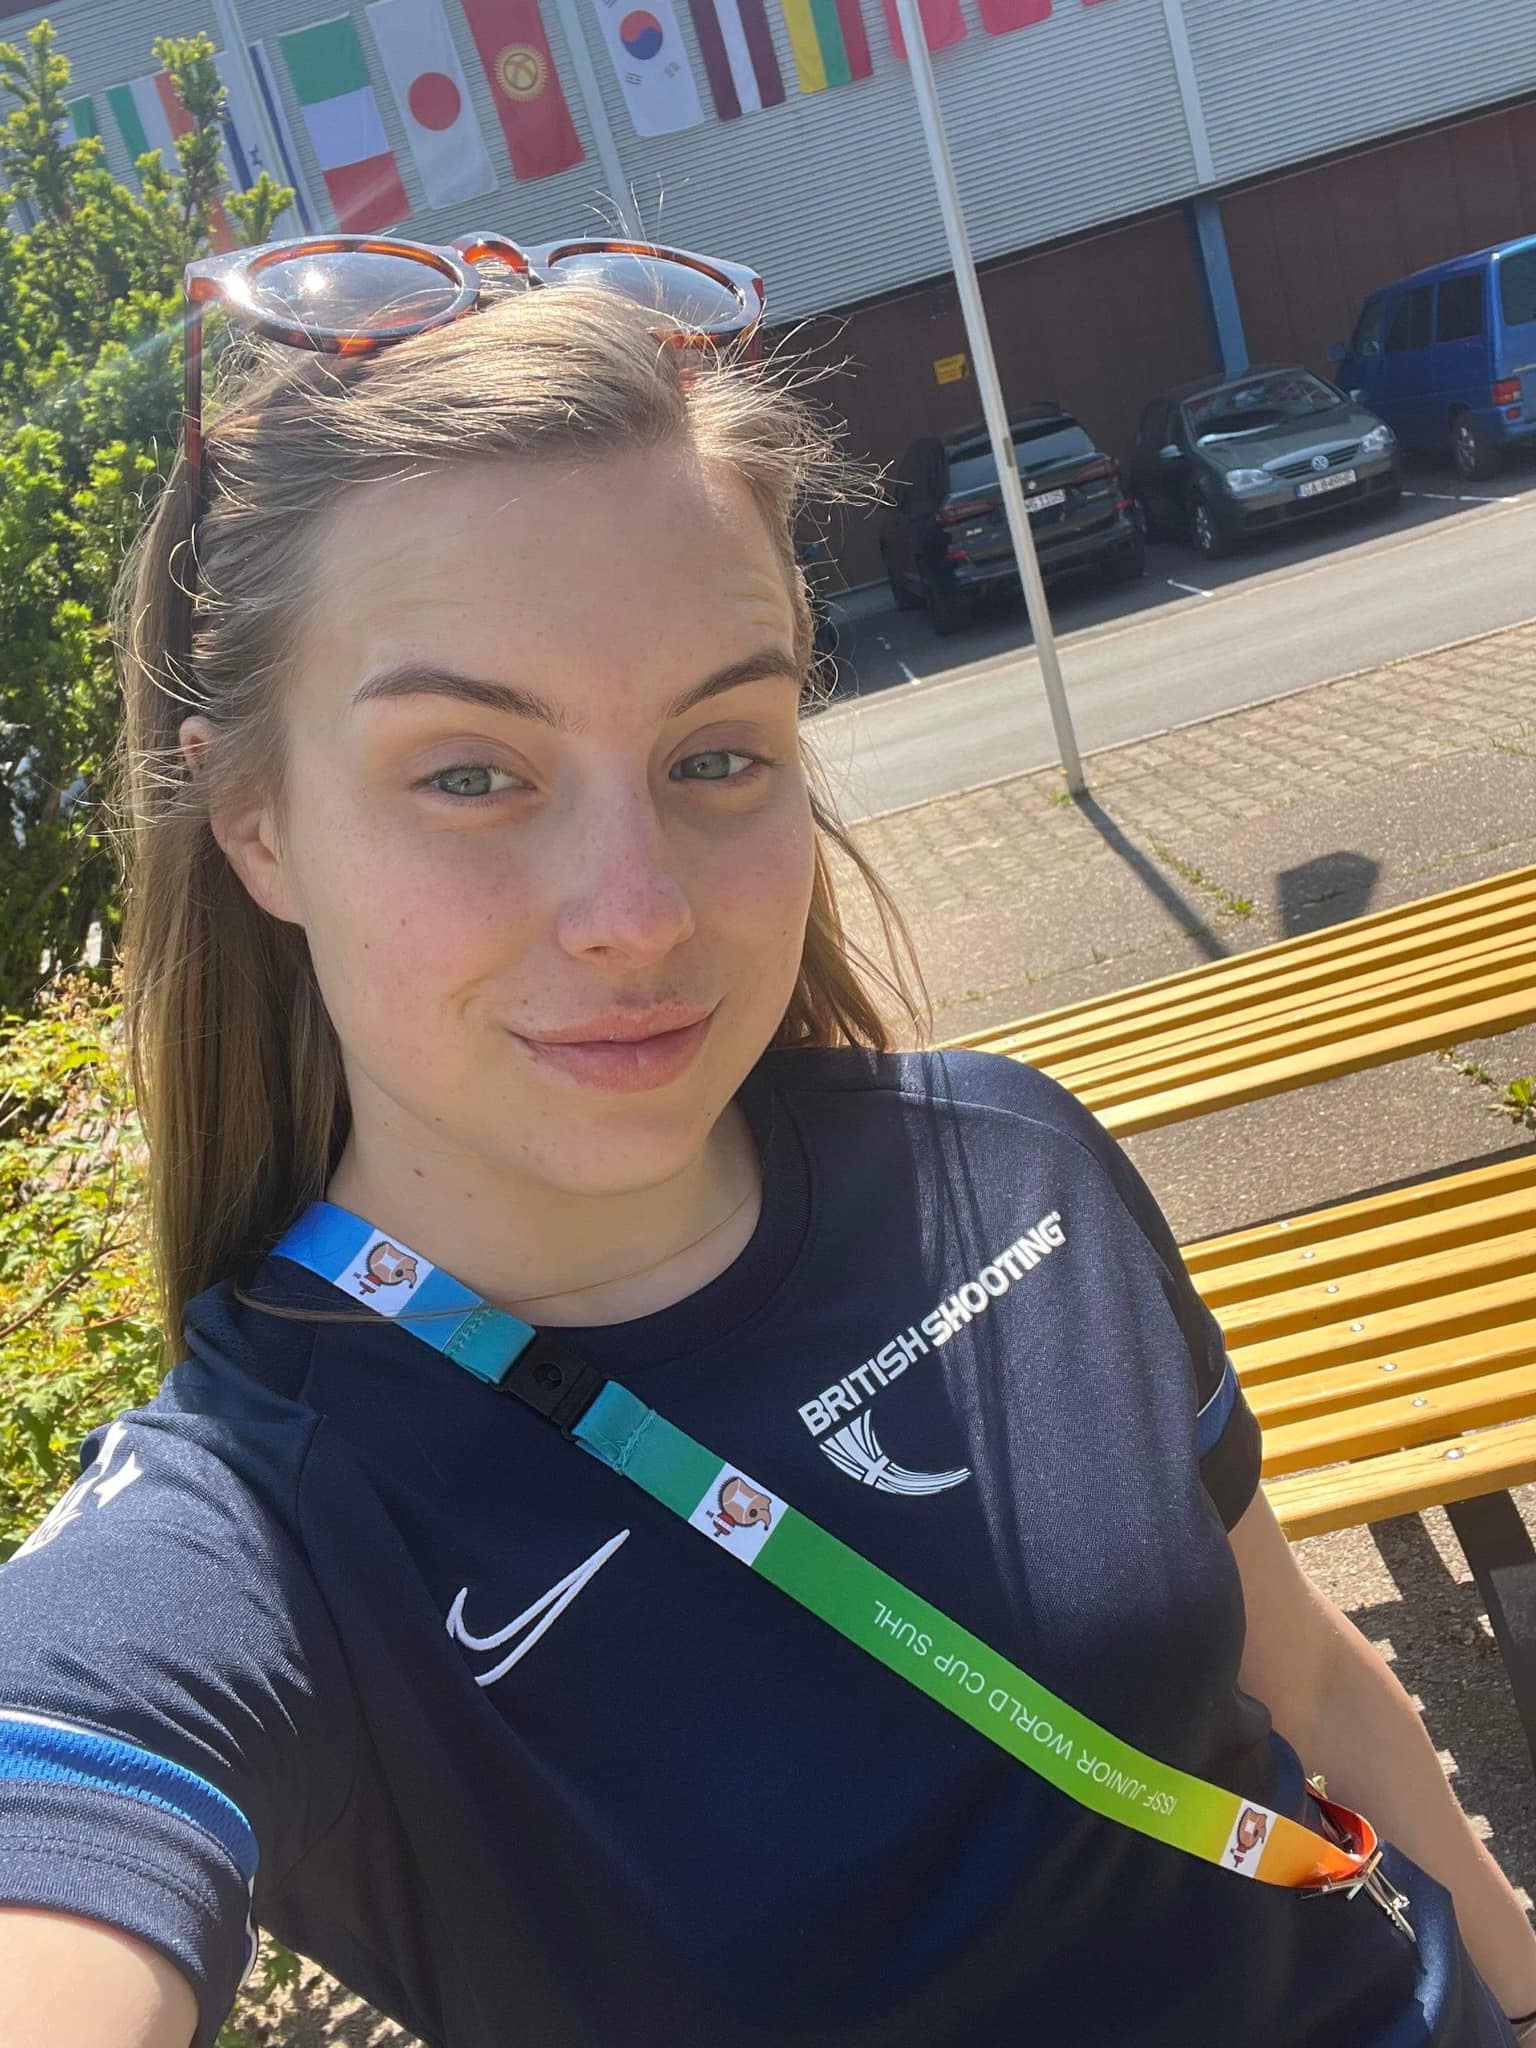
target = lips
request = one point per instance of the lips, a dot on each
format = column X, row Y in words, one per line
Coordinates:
column 622, row 1054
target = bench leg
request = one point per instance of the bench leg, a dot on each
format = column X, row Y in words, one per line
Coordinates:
column 1498, row 1547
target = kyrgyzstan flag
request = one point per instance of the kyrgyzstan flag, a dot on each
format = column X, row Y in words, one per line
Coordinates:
column 535, row 120
column 943, row 24
column 740, row 62
column 427, row 81
column 330, row 83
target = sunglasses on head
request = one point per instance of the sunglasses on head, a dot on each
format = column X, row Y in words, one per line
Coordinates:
column 349, row 294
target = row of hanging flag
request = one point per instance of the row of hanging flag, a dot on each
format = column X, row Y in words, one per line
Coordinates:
column 329, row 75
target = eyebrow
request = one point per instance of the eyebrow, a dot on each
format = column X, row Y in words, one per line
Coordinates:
column 428, row 679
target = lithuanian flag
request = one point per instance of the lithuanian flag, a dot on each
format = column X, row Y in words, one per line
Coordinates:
column 829, row 42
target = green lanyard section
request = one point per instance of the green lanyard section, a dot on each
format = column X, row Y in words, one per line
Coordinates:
column 930, row 1651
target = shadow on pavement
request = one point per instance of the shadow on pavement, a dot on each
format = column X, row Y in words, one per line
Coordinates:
column 1469, row 1709
column 1329, row 889
column 1152, row 878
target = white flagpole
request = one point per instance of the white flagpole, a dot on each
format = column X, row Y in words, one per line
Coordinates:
column 232, row 35
column 993, row 405
column 597, row 114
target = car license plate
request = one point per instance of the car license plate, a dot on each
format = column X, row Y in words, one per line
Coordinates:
column 1315, row 486
column 1045, row 501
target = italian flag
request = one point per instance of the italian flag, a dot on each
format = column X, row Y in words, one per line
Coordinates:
column 81, row 116
column 149, row 116
column 346, row 131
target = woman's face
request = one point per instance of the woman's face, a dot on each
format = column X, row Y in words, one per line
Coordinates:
column 545, row 821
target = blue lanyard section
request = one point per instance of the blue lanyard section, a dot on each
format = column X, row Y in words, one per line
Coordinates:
column 400, row 1285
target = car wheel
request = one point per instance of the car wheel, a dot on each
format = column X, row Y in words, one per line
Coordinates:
column 1141, row 511
column 1208, row 529
column 1125, row 565
column 1476, row 456
column 949, row 611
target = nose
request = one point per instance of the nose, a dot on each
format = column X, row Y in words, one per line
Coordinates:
column 624, row 901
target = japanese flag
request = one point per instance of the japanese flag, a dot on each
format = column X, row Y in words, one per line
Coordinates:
column 422, row 65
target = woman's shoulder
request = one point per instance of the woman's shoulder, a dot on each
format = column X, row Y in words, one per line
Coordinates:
column 946, row 1082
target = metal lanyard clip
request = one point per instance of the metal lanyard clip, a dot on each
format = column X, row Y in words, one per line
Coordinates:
column 1371, row 1879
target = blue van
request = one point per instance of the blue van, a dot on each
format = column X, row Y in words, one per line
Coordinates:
column 1447, row 357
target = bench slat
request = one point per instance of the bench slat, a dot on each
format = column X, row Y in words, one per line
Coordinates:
column 1446, row 983
column 1460, row 1224
column 1417, row 1284
column 1389, row 1029
column 1434, row 1415
column 1382, row 934
column 1404, row 1482
column 1438, row 1367
column 1321, row 1226
column 1344, row 1056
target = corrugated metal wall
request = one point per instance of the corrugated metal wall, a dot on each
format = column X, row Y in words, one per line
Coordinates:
column 1283, row 80
column 1069, row 123
column 1074, row 122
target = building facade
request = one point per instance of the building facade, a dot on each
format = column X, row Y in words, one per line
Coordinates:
column 1153, row 187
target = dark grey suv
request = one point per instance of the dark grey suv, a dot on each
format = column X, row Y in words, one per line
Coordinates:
column 1229, row 456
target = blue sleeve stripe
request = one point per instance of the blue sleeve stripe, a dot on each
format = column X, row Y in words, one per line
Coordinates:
column 1217, row 1412
column 37, row 1751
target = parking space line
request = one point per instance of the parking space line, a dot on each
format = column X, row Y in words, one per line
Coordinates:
column 899, row 662
column 1193, row 589
column 1462, row 497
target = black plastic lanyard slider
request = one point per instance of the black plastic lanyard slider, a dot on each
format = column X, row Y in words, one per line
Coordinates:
column 555, row 1381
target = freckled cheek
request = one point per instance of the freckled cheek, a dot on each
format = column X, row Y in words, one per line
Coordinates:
column 407, row 919
column 755, row 894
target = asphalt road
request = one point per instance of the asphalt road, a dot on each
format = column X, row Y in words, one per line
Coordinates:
column 916, row 717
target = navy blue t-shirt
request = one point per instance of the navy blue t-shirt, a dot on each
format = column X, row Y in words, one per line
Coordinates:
column 336, row 1640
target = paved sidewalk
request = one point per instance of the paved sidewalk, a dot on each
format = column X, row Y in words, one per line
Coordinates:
column 1348, row 797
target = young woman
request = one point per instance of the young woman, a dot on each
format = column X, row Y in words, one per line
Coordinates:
column 497, row 1039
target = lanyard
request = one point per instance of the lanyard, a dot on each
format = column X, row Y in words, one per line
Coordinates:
column 756, row 1526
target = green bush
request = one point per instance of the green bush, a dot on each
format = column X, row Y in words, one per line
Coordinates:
column 90, row 404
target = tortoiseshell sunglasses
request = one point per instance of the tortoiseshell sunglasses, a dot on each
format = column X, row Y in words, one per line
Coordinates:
column 348, row 294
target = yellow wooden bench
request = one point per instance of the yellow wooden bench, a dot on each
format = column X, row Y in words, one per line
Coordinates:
column 1448, row 968
column 1388, row 1348
column 1387, row 1345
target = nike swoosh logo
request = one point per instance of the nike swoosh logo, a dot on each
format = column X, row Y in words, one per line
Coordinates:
column 544, row 1613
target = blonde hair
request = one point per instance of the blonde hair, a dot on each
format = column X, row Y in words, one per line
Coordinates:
column 235, row 1064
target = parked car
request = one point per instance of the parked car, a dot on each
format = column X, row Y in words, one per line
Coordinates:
column 1448, row 356
column 1226, row 457
column 947, row 541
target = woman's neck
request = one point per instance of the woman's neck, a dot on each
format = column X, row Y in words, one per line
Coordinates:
column 552, row 1257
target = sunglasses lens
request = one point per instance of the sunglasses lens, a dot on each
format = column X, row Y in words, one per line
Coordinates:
column 352, row 291
column 675, row 289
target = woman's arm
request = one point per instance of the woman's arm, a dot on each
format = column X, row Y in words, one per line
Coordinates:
column 67, row 1983
column 1344, row 1713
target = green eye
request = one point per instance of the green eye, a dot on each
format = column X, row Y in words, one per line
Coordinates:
column 717, row 765
column 469, row 779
